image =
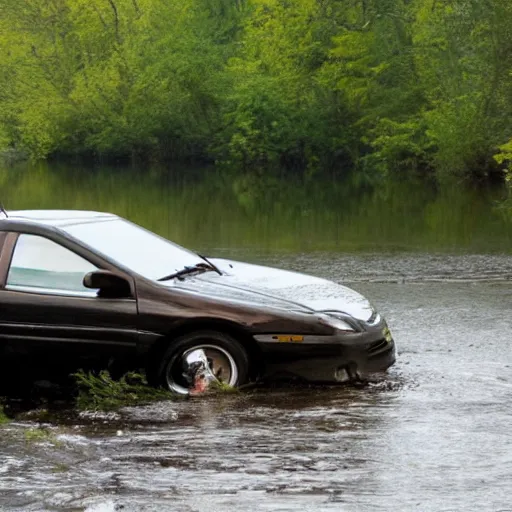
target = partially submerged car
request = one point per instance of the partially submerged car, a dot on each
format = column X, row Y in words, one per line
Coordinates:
column 81, row 286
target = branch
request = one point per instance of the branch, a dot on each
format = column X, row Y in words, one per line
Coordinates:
column 103, row 22
column 49, row 75
column 137, row 8
column 116, row 19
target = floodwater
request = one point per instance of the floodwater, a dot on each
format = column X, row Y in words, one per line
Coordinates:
column 434, row 434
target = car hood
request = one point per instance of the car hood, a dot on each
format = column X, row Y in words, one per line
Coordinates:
column 277, row 288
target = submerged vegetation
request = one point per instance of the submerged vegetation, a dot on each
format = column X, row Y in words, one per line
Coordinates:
column 223, row 387
column 41, row 434
column 380, row 86
column 3, row 416
column 102, row 392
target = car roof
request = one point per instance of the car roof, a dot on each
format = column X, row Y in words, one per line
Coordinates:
column 57, row 218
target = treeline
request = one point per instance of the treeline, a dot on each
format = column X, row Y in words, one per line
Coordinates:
column 389, row 86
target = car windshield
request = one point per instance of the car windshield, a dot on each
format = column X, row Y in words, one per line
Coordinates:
column 134, row 247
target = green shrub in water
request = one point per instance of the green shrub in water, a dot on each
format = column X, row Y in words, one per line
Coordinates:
column 102, row 392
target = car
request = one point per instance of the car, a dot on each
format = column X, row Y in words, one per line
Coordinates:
column 81, row 287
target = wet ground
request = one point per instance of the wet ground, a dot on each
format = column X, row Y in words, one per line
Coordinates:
column 433, row 435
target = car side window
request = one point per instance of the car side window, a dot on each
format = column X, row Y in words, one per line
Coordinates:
column 40, row 263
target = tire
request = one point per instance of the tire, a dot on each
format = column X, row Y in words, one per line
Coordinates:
column 226, row 358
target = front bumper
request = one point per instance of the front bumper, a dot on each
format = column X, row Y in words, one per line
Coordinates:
column 327, row 359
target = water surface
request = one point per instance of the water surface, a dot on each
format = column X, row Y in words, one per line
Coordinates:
column 432, row 435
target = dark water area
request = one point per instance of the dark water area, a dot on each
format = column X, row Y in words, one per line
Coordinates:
column 433, row 434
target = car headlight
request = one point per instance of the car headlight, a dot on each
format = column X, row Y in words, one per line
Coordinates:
column 341, row 325
column 338, row 323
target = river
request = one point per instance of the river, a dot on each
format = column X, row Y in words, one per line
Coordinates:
column 432, row 435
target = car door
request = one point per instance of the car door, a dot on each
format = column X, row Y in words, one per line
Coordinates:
column 48, row 316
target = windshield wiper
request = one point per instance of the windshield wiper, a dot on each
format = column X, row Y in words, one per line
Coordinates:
column 198, row 267
column 213, row 267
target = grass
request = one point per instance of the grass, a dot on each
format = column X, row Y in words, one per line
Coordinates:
column 3, row 416
column 40, row 435
column 222, row 387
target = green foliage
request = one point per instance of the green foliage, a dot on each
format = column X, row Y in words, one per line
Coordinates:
column 505, row 154
column 101, row 392
column 398, row 146
column 504, row 157
column 273, row 113
column 3, row 416
column 104, row 76
column 223, row 387
column 374, row 86
column 40, row 434
column 464, row 61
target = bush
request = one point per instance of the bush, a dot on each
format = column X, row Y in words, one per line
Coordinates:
column 102, row 392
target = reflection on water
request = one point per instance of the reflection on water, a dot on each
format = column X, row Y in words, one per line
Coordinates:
column 207, row 210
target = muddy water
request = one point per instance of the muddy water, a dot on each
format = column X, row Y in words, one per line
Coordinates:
column 433, row 435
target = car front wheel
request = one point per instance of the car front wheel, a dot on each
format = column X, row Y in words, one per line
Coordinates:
column 199, row 361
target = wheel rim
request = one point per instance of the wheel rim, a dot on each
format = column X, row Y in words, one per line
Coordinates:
column 194, row 370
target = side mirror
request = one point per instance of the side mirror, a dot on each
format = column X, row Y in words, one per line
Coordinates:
column 108, row 284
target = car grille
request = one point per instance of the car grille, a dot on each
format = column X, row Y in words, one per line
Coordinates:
column 377, row 346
